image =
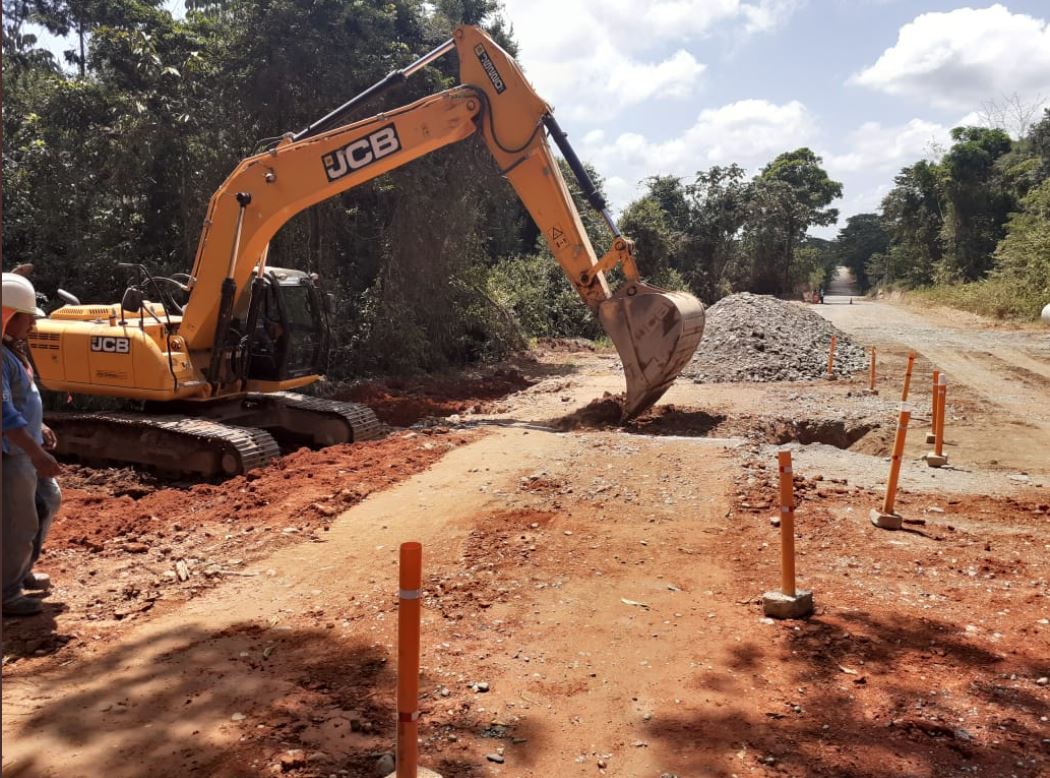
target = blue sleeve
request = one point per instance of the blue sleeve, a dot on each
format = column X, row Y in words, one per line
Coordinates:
column 13, row 420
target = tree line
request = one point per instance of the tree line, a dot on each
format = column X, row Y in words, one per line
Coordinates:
column 974, row 224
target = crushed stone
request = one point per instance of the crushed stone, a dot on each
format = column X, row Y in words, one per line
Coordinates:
column 758, row 338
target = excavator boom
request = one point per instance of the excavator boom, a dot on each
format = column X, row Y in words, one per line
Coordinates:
column 654, row 331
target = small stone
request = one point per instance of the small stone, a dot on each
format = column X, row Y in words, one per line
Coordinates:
column 237, row 717
column 1043, row 681
column 497, row 758
column 481, row 687
column 385, row 765
column 182, row 570
column 292, row 760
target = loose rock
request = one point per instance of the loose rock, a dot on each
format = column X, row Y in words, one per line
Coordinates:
column 758, row 338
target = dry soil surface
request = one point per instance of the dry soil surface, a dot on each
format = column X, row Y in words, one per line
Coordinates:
column 592, row 593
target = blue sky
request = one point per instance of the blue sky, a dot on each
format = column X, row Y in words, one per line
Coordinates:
column 648, row 87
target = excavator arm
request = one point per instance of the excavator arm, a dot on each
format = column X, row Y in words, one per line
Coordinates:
column 654, row 331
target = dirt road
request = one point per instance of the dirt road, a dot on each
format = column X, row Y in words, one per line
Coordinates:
column 592, row 595
column 1006, row 370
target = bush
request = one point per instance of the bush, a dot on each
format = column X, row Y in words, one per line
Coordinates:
column 999, row 297
column 534, row 290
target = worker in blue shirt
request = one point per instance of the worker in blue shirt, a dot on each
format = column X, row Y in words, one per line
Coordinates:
column 31, row 494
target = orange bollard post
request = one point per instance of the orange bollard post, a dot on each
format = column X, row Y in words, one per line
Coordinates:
column 787, row 603
column 408, row 614
column 937, row 457
column 886, row 518
column 787, row 524
column 907, row 376
column 831, row 358
column 871, row 373
column 931, row 436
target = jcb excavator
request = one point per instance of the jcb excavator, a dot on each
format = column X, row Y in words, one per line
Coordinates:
column 214, row 377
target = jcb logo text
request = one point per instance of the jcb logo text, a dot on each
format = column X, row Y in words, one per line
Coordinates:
column 361, row 152
column 110, row 345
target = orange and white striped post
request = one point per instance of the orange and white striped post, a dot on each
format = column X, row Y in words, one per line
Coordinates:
column 937, row 457
column 787, row 523
column 788, row 603
column 886, row 518
column 408, row 614
column 907, row 376
column 831, row 358
column 931, row 436
column 871, row 372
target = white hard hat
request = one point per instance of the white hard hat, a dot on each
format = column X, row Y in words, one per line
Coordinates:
column 19, row 295
column 1046, row 313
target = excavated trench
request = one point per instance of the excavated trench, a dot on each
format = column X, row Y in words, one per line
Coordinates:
column 606, row 413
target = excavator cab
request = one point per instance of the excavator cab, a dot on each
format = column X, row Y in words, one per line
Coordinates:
column 286, row 327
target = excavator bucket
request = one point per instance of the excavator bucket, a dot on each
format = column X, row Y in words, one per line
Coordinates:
column 655, row 333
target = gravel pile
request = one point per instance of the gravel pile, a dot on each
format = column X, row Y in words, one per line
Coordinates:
column 751, row 337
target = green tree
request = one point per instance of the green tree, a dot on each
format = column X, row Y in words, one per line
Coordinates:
column 912, row 216
column 790, row 195
column 978, row 201
column 1023, row 256
column 711, row 259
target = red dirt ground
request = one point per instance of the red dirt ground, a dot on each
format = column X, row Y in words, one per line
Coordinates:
column 402, row 403
column 304, row 488
column 114, row 556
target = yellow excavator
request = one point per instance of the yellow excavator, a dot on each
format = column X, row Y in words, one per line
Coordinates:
column 213, row 377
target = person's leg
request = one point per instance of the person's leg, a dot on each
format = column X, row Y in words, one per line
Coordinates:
column 20, row 526
column 48, row 500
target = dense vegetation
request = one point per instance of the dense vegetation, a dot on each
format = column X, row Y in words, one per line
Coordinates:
column 972, row 228
column 112, row 155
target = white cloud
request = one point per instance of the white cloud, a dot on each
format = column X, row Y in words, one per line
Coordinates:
column 874, row 147
column 963, row 57
column 592, row 61
column 748, row 132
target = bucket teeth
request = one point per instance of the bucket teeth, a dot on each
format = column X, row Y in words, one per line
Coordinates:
column 655, row 333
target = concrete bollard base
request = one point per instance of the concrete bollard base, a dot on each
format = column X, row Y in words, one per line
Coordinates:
column 778, row 605
column 933, row 460
column 885, row 520
column 421, row 772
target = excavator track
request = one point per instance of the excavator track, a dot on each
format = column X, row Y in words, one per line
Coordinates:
column 172, row 443
column 219, row 438
column 362, row 420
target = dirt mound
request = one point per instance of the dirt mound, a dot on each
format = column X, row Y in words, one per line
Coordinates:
column 604, row 412
column 758, row 338
column 304, row 489
column 111, row 481
column 402, row 403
